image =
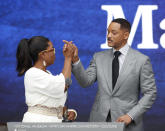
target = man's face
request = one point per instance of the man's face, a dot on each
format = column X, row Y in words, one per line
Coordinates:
column 116, row 36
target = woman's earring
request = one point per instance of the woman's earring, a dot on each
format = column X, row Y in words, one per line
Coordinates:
column 44, row 63
column 54, row 51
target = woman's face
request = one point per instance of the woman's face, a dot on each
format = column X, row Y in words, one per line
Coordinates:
column 50, row 54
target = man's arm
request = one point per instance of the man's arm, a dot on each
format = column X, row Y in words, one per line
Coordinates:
column 84, row 77
column 148, row 89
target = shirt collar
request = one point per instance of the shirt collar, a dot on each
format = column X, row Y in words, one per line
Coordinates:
column 123, row 50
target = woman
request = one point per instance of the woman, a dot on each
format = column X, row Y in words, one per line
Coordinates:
column 45, row 93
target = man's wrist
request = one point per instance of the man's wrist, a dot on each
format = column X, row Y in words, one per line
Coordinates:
column 130, row 116
column 76, row 63
column 75, row 59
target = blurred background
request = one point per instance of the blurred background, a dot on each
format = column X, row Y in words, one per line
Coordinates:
column 85, row 23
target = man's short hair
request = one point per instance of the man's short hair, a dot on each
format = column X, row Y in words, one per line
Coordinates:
column 124, row 24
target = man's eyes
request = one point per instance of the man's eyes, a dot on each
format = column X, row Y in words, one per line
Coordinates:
column 114, row 33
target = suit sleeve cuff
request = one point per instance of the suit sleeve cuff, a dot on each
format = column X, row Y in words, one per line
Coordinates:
column 76, row 63
column 130, row 116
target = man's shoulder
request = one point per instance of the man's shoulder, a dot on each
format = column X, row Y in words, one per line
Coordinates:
column 103, row 53
column 138, row 54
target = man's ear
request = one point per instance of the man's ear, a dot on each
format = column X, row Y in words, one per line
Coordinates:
column 126, row 35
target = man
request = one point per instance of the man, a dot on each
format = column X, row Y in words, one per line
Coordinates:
column 122, row 74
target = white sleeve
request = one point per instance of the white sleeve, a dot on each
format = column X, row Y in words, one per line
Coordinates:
column 48, row 84
column 56, row 85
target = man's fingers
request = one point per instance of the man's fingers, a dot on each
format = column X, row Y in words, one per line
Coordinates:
column 75, row 53
column 68, row 46
column 65, row 41
column 75, row 50
column 119, row 120
column 64, row 47
column 70, row 42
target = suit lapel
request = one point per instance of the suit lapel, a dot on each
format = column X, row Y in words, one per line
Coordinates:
column 107, row 64
column 125, row 70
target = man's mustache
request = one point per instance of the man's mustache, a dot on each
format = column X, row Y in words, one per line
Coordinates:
column 109, row 39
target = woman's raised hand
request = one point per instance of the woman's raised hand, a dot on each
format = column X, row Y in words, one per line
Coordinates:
column 68, row 49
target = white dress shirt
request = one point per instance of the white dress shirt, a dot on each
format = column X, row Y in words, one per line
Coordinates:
column 124, row 51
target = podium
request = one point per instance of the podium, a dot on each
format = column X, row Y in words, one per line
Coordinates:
column 73, row 126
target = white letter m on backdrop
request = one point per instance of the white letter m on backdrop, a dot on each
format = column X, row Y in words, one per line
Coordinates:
column 145, row 13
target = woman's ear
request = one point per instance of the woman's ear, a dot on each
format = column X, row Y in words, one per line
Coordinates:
column 41, row 55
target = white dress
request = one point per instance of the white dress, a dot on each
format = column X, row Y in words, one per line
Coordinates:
column 44, row 89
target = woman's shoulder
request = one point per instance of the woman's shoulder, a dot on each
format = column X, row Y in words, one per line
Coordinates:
column 33, row 72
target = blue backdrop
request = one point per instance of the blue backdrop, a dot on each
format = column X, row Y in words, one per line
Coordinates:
column 85, row 23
